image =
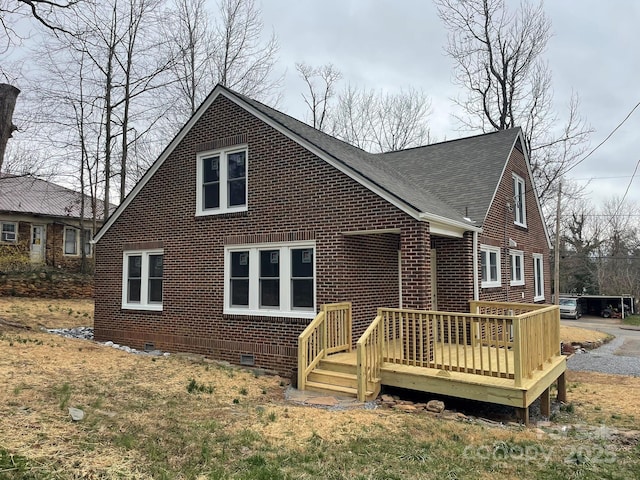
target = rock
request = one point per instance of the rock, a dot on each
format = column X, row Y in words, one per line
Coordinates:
column 461, row 416
column 387, row 398
column 543, row 424
column 435, row 406
column 108, row 344
column 405, row 408
column 76, row 414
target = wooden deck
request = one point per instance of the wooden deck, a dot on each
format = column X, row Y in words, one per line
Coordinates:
column 500, row 353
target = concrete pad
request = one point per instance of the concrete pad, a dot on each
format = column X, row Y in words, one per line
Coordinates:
column 324, row 401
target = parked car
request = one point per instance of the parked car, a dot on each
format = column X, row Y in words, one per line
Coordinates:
column 570, row 308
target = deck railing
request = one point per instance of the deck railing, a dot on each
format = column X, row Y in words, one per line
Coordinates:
column 329, row 332
column 509, row 341
column 369, row 358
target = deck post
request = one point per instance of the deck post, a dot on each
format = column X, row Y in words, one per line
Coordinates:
column 523, row 415
column 562, row 388
column 517, row 354
column 545, row 403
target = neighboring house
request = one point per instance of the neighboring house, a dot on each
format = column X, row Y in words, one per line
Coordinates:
column 250, row 220
column 40, row 221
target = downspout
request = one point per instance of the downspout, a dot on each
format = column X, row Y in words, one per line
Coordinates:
column 476, row 288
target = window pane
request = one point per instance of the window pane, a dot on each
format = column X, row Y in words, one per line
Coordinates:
column 236, row 163
column 302, row 293
column 269, row 292
column 87, row 242
column 133, row 290
column 302, row 262
column 212, row 195
column 493, row 265
column 155, row 290
column 135, row 266
column 518, row 260
column 240, row 292
column 155, row 266
column 269, row 263
column 237, row 192
column 211, row 169
column 70, row 242
column 239, row 264
column 483, row 263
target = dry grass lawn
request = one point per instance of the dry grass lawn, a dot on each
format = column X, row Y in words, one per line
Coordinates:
column 143, row 422
column 580, row 335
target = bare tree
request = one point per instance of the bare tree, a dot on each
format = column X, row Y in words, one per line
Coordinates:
column 498, row 57
column 243, row 62
column 373, row 121
column 8, row 97
column 321, row 83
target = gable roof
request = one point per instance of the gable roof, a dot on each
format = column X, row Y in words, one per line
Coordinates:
column 450, row 183
column 33, row 196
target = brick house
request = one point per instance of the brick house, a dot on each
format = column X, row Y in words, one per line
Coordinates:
column 41, row 223
column 250, row 220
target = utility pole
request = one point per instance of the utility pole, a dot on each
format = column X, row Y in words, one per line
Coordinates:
column 556, row 262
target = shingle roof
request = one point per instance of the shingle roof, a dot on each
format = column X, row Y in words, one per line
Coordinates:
column 453, row 179
column 30, row 195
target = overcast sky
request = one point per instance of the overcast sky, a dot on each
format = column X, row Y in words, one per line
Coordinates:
column 390, row 44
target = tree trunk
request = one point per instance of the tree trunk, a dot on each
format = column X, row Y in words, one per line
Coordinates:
column 8, row 96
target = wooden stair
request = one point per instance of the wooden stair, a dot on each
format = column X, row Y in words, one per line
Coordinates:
column 334, row 377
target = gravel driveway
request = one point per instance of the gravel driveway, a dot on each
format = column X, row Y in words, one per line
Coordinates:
column 620, row 356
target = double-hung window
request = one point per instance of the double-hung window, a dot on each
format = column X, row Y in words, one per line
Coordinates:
column 538, row 277
column 142, row 279
column 9, row 232
column 222, row 181
column 270, row 280
column 520, row 207
column 490, row 266
column 516, row 259
column 73, row 241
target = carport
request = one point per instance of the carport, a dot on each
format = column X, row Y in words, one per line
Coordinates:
column 596, row 304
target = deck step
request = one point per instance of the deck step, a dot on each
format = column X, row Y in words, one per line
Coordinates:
column 342, row 379
column 332, row 365
column 333, row 389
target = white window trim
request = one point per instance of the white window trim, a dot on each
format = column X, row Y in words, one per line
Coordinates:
column 538, row 257
column 491, row 283
column 144, row 284
column 15, row 231
column 285, row 309
column 522, row 222
column 79, row 242
column 223, row 208
column 512, row 255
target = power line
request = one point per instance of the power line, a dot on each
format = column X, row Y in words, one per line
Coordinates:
column 604, row 141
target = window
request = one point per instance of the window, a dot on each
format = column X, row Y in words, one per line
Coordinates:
column 72, row 239
column 516, row 258
column 142, row 279
column 520, row 210
column 538, row 277
column 9, row 232
column 270, row 280
column 490, row 266
column 222, row 182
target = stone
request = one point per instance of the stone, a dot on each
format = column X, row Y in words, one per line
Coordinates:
column 76, row 414
column 543, row 424
column 435, row 406
column 405, row 408
column 387, row 398
column 323, row 401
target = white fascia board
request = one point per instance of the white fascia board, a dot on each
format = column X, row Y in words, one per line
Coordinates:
column 158, row 163
column 533, row 184
column 444, row 226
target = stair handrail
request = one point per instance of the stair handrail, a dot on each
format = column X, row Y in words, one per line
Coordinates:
column 369, row 356
column 316, row 341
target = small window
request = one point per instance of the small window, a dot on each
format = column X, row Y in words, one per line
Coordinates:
column 270, row 280
column 222, row 182
column 70, row 241
column 538, row 277
column 73, row 241
column 143, row 278
column 9, row 232
column 490, row 266
column 516, row 260
column 519, row 207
